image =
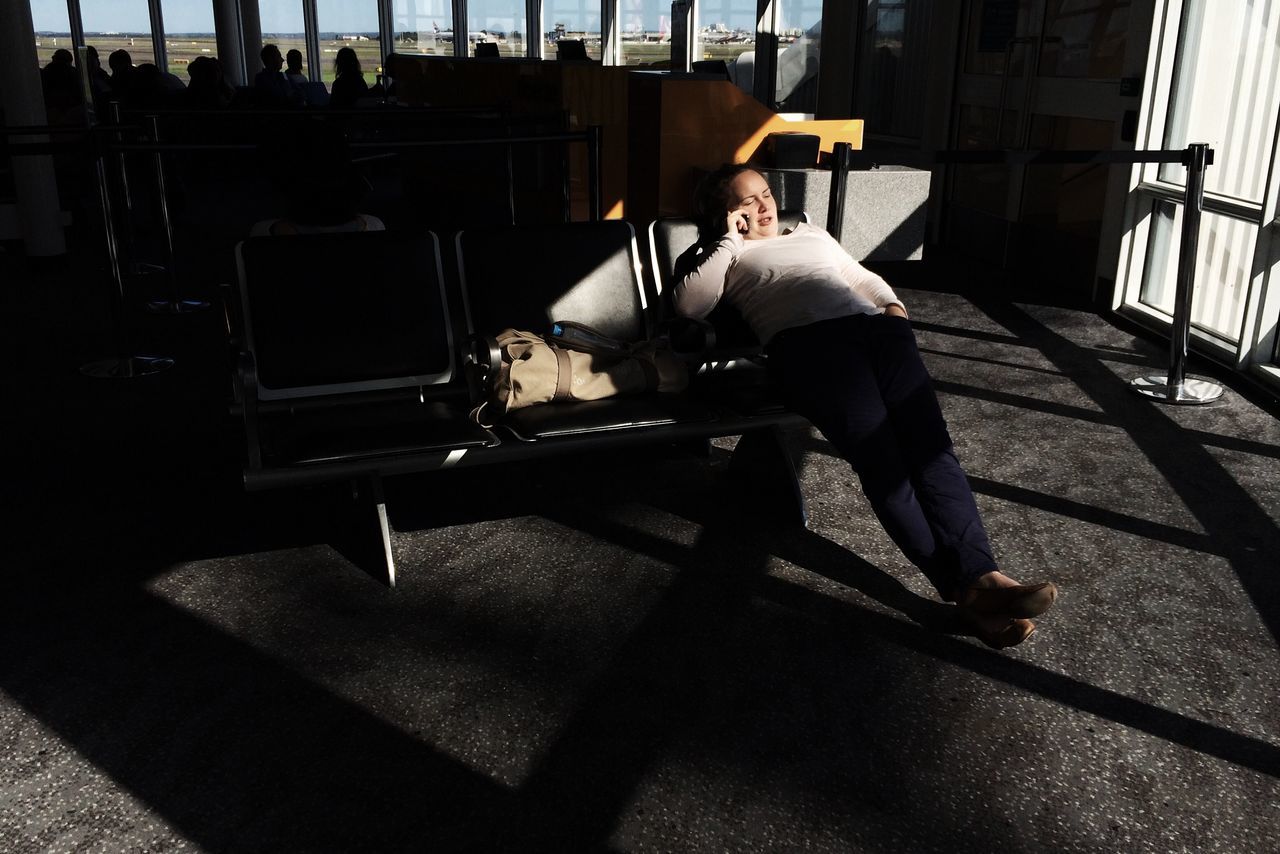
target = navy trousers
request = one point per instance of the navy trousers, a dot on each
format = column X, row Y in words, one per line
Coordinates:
column 861, row 382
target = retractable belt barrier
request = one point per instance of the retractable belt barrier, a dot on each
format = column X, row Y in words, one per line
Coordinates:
column 100, row 141
column 1173, row 387
column 91, row 141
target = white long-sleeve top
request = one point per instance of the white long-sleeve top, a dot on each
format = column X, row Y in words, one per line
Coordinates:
column 781, row 282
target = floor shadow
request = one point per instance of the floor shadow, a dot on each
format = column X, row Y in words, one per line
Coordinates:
column 1242, row 530
column 231, row 747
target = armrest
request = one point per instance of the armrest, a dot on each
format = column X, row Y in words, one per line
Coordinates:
column 247, row 372
column 482, row 358
column 689, row 337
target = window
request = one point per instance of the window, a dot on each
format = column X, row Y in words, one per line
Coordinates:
column 501, row 22
column 1224, row 93
column 123, row 25
column 1222, row 274
column 572, row 19
column 1216, row 80
column 283, row 25
column 894, row 66
column 799, row 44
column 644, row 28
column 422, row 26
column 353, row 24
column 727, row 31
column 188, row 33
column 52, row 29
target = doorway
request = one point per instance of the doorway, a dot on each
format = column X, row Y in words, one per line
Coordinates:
column 1046, row 74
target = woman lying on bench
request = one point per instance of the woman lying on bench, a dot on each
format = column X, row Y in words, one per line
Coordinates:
column 845, row 356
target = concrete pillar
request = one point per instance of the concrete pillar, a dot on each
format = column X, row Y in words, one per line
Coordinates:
column 39, row 214
column 251, row 27
column 226, row 21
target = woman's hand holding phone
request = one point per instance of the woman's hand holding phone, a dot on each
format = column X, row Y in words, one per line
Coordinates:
column 737, row 221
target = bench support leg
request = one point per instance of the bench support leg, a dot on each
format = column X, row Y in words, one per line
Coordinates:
column 366, row 532
column 762, row 463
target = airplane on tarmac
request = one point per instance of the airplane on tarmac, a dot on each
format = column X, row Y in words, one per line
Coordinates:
column 446, row 36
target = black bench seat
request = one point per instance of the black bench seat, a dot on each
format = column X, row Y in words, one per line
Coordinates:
column 358, row 362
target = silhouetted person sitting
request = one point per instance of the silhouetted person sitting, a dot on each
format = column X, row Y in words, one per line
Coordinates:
column 349, row 86
column 61, row 59
column 206, row 91
column 293, row 68
column 407, row 82
column 63, row 100
column 322, row 187
column 271, row 86
column 122, row 76
column 99, row 82
column 149, row 87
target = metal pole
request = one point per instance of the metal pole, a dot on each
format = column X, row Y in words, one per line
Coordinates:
column 1176, row 386
column 511, row 181
column 839, row 185
column 593, row 173
column 174, row 304
column 121, row 367
column 124, row 170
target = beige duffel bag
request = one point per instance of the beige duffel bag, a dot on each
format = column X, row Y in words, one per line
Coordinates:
column 534, row 369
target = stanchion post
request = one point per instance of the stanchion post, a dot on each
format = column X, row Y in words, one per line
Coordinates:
column 593, row 173
column 174, row 304
column 117, row 119
column 1176, row 387
column 840, row 156
column 121, row 367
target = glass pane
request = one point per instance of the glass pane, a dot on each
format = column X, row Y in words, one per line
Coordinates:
column 1224, row 93
column 121, row 25
column 727, row 31
column 282, row 26
column 1069, row 197
column 645, row 30
column 353, row 24
column 894, row 67
column 188, row 33
column 994, row 27
column 799, row 45
column 574, row 20
column 983, row 187
column 423, row 26
column 1085, row 39
column 52, row 30
column 501, row 22
column 1223, row 264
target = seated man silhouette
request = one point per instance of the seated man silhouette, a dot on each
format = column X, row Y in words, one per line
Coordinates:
column 271, row 85
column 323, row 190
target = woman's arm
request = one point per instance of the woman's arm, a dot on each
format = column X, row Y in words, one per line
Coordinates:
column 699, row 292
column 868, row 285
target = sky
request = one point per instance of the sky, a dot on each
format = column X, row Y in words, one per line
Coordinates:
column 343, row 15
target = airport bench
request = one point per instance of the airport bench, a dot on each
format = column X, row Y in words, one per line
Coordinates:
column 355, row 354
column 733, row 371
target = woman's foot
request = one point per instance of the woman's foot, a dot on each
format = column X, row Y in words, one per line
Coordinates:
column 997, row 595
column 997, row 608
column 1012, row 633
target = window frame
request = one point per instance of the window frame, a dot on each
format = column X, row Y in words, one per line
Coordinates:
column 1257, row 352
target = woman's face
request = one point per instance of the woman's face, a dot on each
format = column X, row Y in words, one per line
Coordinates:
column 749, row 194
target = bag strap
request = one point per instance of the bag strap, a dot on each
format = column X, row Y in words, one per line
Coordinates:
column 585, row 339
column 564, row 375
column 651, row 377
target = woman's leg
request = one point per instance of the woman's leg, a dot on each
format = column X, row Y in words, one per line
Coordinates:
column 921, row 433
column 829, row 373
